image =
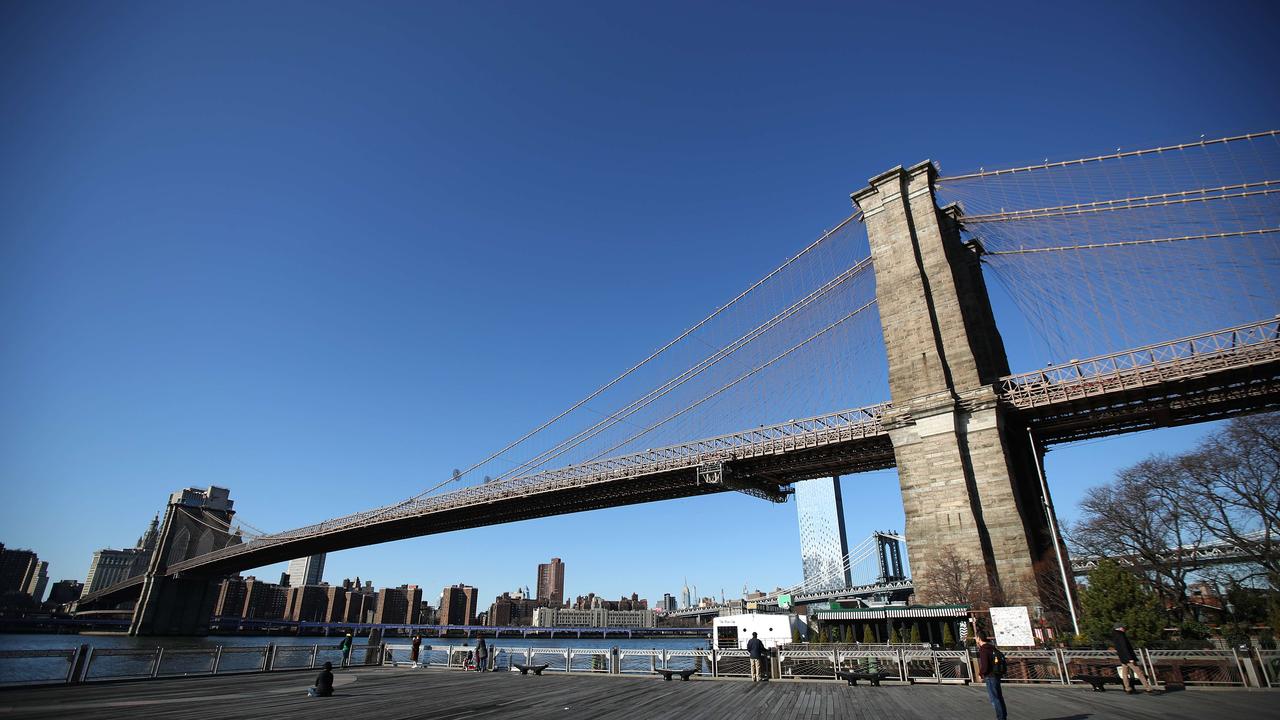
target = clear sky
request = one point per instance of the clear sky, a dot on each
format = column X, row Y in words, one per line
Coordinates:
column 321, row 253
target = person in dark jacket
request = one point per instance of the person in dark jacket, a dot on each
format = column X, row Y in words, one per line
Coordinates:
column 482, row 656
column 1129, row 664
column 324, row 682
column 417, row 646
column 986, row 652
column 755, row 649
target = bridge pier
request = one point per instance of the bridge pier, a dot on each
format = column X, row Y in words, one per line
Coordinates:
column 968, row 474
column 183, row 604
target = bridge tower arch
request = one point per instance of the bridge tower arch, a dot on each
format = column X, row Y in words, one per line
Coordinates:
column 967, row 471
column 195, row 522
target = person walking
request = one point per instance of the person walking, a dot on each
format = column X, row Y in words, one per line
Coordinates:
column 991, row 667
column 324, row 682
column 482, row 656
column 1129, row 664
column 345, row 647
column 755, row 649
column 416, row 647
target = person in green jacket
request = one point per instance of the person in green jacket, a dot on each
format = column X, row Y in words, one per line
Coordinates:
column 346, row 650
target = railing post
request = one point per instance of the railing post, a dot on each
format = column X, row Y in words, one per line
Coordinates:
column 715, row 662
column 1151, row 668
column 315, row 652
column 1061, row 661
column 155, row 664
column 835, row 664
column 937, row 671
column 664, row 658
column 217, row 660
column 78, row 662
column 269, row 658
column 1247, row 671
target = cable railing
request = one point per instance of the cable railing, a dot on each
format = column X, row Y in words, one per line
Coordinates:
column 812, row 432
column 1231, row 348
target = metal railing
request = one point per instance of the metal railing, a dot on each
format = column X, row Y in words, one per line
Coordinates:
column 1233, row 347
column 93, row 664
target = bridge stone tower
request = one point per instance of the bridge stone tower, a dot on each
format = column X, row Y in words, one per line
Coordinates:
column 968, row 473
column 182, row 605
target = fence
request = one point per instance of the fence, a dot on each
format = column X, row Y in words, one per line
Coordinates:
column 90, row 664
column 1185, row 668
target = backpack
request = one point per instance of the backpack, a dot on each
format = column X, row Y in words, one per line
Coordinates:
column 998, row 663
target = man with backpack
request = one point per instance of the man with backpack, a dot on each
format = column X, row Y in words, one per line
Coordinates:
column 991, row 667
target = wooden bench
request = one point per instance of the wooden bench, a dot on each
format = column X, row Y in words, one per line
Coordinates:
column 684, row 674
column 1098, row 681
column 524, row 669
column 872, row 677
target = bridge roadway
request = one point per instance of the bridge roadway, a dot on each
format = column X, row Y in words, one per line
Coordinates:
column 1208, row 376
column 399, row 694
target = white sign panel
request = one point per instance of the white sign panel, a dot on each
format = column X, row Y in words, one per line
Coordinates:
column 1012, row 626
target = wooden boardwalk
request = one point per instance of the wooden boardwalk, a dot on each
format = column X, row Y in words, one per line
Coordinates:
column 396, row 694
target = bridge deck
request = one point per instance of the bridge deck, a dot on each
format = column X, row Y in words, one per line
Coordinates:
column 389, row 694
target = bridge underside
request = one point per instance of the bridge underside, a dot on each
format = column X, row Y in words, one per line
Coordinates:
column 1198, row 398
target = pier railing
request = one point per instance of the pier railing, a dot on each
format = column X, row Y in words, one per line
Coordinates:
column 87, row 663
column 1179, row 668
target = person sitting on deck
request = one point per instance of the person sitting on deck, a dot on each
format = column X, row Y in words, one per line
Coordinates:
column 324, row 682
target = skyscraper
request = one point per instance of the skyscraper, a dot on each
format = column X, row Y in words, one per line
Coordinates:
column 823, row 545
column 38, row 582
column 306, row 571
column 17, row 568
column 458, row 605
column 109, row 566
column 551, row 583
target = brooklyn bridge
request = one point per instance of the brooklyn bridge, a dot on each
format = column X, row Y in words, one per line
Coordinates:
column 1150, row 273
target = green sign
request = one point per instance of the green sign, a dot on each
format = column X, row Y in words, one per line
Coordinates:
column 784, row 601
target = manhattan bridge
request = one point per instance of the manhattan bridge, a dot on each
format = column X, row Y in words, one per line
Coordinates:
column 1148, row 276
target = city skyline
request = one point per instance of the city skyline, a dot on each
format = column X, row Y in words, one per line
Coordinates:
column 328, row 284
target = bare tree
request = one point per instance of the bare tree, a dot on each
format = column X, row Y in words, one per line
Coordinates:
column 958, row 581
column 1231, row 489
column 1137, row 519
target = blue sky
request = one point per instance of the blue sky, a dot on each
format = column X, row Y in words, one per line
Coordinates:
column 322, row 253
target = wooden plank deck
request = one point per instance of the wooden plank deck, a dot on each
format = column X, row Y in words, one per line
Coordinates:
column 395, row 694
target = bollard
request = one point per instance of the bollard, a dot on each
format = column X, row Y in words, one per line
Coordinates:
column 614, row 665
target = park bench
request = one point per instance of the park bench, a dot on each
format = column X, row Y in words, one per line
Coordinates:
column 684, row 674
column 524, row 669
column 1098, row 681
column 872, row 677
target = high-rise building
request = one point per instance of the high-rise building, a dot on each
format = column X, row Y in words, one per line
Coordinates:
column 551, row 583
column 17, row 568
column 263, row 601
column 38, row 582
column 306, row 603
column 510, row 609
column 668, row 602
column 230, row 602
column 398, row 606
column 686, row 596
column 335, row 604
column 823, row 546
column 306, row 571
column 361, row 600
column 458, row 605
column 110, row 566
column 63, row 593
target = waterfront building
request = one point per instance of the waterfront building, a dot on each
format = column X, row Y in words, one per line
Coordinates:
column 230, row 602
column 335, row 603
column 306, row 571
column 63, row 593
column 823, row 545
column 306, row 603
column 17, row 568
column 398, row 606
column 38, row 582
column 551, row 583
column 511, row 609
column 361, row 601
column 458, row 605
column 263, row 600
column 110, row 566
column 426, row 615
column 595, row 617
